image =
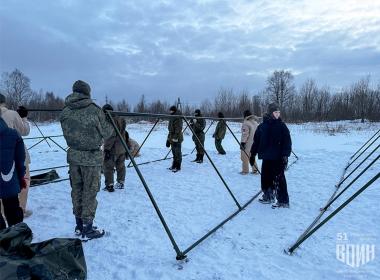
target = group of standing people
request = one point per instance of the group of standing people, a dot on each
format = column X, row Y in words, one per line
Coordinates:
column 14, row 165
column 270, row 141
column 86, row 128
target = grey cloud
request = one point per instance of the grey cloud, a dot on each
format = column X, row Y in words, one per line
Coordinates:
column 172, row 48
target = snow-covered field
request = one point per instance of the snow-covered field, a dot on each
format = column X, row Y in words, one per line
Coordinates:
column 193, row 201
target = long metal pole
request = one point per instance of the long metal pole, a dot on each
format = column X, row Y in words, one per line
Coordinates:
column 54, row 167
column 325, row 208
column 131, row 114
column 180, row 255
column 344, row 179
column 212, row 122
column 62, row 148
column 39, row 137
column 142, row 144
column 237, row 141
column 41, row 133
column 31, row 147
column 297, row 244
column 353, row 181
column 212, row 163
column 183, row 131
column 362, row 152
column 295, row 155
column 221, row 224
column 157, row 160
column 365, row 144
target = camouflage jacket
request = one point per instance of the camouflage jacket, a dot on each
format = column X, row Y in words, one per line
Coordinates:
column 198, row 125
column 113, row 144
column 84, row 127
column 220, row 130
column 175, row 129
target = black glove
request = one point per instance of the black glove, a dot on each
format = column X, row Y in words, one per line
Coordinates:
column 107, row 155
column 242, row 146
column 284, row 160
column 22, row 111
column 252, row 160
column 167, row 143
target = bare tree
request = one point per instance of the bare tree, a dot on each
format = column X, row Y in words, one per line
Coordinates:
column 16, row 87
column 308, row 94
column 360, row 93
column 243, row 103
column 141, row 105
column 256, row 105
column 280, row 86
column 123, row 106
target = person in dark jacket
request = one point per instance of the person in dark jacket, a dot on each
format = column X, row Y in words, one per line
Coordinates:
column 12, row 169
column 273, row 145
column 198, row 125
column 114, row 155
column 175, row 138
column 220, row 132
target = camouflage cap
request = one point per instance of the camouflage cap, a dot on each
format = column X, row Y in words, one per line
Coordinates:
column 82, row 87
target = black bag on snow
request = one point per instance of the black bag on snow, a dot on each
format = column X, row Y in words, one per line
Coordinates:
column 43, row 177
column 57, row 258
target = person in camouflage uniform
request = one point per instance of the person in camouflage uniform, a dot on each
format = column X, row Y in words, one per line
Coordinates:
column 198, row 125
column 220, row 132
column 114, row 155
column 84, row 127
column 175, row 138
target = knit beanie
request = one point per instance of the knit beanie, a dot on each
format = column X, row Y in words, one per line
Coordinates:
column 82, row 87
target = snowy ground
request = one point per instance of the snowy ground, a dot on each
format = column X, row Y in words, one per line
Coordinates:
column 194, row 200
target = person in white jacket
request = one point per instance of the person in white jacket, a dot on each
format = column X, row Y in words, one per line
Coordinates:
column 248, row 130
column 18, row 121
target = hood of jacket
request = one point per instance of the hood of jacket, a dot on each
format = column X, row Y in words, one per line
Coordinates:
column 77, row 100
column 251, row 118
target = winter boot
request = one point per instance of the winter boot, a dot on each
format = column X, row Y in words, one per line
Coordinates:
column 177, row 167
column 268, row 197
column 119, row 185
column 196, row 159
column 79, row 226
column 172, row 167
column 280, row 205
column 91, row 232
column 265, row 199
column 109, row 188
column 200, row 159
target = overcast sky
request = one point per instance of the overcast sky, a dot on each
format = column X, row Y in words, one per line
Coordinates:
column 165, row 49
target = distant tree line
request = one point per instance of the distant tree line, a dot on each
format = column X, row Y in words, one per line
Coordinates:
column 310, row 102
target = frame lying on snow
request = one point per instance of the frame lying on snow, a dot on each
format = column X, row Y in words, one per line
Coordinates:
column 180, row 254
column 314, row 226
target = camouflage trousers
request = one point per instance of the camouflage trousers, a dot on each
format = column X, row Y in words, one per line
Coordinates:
column 219, row 147
column 109, row 165
column 85, row 184
column 177, row 154
column 198, row 145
